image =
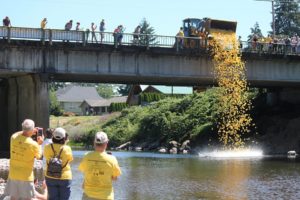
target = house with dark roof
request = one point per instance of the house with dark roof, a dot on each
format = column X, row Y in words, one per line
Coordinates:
column 72, row 96
column 134, row 96
column 100, row 107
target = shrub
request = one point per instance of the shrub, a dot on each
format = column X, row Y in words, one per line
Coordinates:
column 115, row 107
column 192, row 117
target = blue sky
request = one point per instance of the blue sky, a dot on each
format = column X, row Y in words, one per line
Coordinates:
column 164, row 15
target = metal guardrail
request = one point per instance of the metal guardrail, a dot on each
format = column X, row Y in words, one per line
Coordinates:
column 270, row 48
column 85, row 37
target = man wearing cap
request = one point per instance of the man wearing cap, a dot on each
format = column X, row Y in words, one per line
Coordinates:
column 99, row 169
column 23, row 151
column 59, row 187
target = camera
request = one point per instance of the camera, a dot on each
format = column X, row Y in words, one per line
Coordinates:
column 37, row 132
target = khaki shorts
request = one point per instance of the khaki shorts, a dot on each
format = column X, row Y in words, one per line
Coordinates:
column 20, row 189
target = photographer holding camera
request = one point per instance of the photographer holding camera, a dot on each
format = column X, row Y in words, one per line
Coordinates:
column 23, row 151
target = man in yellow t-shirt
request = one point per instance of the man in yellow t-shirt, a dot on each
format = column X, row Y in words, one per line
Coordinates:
column 179, row 37
column 23, row 151
column 99, row 169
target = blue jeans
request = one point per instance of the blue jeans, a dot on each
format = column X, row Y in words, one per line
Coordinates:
column 58, row 189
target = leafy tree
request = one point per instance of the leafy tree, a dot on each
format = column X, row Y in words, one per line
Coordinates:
column 123, row 90
column 149, row 30
column 255, row 30
column 287, row 18
column 55, row 108
column 56, row 85
column 105, row 90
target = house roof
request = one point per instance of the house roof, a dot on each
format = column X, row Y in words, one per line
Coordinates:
column 74, row 93
column 105, row 102
column 168, row 89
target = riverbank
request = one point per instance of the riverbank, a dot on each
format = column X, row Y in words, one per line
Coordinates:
column 79, row 127
column 187, row 124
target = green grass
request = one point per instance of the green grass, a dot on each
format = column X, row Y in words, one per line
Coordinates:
column 80, row 125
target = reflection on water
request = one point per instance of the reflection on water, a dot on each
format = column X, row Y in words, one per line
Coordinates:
column 149, row 176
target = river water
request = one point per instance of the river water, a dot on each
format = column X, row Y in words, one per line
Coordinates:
column 151, row 176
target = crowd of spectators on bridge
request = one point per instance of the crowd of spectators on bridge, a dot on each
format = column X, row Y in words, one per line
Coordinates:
column 269, row 44
column 274, row 44
column 118, row 31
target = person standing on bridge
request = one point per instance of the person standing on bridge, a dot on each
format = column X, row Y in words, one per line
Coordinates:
column 23, row 151
column 69, row 25
column 100, row 169
column 6, row 22
column 93, row 29
column 44, row 23
column 179, row 38
column 136, row 34
column 102, row 29
column 77, row 26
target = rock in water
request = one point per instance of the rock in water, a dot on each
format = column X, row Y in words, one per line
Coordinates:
column 173, row 150
column 138, row 148
column 37, row 170
column 162, row 150
column 2, row 187
column 4, row 168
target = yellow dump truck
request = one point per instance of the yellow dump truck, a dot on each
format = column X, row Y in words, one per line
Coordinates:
column 205, row 28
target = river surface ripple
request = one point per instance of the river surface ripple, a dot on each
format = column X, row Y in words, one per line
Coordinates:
column 151, row 176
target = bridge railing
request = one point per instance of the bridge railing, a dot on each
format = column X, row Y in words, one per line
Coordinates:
column 86, row 37
column 270, row 48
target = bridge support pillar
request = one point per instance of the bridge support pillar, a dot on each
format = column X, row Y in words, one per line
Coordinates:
column 273, row 96
column 21, row 98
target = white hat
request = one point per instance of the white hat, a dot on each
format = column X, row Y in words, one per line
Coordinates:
column 101, row 138
column 59, row 133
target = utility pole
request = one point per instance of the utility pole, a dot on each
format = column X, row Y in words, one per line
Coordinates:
column 273, row 18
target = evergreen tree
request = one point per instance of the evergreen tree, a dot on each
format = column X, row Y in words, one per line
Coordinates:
column 123, row 90
column 255, row 30
column 148, row 39
column 287, row 18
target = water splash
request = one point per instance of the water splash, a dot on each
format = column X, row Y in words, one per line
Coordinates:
column 244, row 153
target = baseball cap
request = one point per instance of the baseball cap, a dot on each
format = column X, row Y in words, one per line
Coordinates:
column 101, row 138
column 59, row 133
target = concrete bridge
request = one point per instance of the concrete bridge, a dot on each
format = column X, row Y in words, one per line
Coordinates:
column 30, row 58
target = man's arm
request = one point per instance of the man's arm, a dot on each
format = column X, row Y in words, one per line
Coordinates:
column 116, row 170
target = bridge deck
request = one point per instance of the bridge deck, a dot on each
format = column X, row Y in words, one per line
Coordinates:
column 107, row 63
